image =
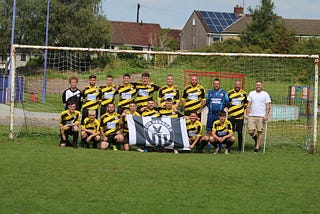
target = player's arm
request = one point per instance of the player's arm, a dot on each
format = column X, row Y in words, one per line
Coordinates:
column 214, row 135
column 64, row 100
column 268, row 108
column 248, row 109
column 102, row 133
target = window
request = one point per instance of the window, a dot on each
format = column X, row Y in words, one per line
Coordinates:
column 23, row 57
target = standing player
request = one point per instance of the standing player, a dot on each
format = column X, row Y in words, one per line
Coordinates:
column 194, row 129
column 69, row 121
column 222, row 133
column 91, row 97
column 237, row 104
column 217, row 100
column 124, row 123
column 72, row 93
column 145, row 91
column 108, row 93
column 90, row 130
column 127, row 92
column 109, row 127
column 193, row 98
column 169, row 91
column 258, row 111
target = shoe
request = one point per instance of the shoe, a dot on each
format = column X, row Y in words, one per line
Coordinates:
column 226, row 151
column 114, row 148
column 139, row 150
column 256, row 150
column 216, row 151
column 175, row 151
column 75, row 146
column 239, row 149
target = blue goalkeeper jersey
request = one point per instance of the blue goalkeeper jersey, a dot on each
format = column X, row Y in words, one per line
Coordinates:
column 216, row 101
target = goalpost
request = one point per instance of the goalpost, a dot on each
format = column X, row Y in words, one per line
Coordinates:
column 277, row 71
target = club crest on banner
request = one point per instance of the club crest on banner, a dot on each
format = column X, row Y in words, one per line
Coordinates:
column 158, row 133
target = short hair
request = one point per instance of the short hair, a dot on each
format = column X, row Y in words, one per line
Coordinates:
column 126, row 75
column 109, row 76
column 111, row 104
column 70, row 102
column 222, row 113
column 259, row 81
column 92, row 111
column 92, row 76
column 145, row 74
column 169, row 99
column 193, row 112
column 73, row 78
column 132, row 102
column 216, row 79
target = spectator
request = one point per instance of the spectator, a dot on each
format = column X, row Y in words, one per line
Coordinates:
column 258, row 110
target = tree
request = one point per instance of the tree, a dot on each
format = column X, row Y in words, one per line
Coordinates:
column 72, row 23
column 168, row 42
column 267, row 30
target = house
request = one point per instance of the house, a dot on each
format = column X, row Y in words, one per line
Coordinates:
column 302, row 28
column 137, row 36
column 205, row 27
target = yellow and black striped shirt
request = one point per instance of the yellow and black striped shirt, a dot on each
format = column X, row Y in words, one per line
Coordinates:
column 125, row 122
column 68, row 118
column 238, row 103
column 110, row 123
column 145, row 93
column 91, row 97
column 107, row 94
column 193, row 97
column 222, row 130
column 126, row 95
column 194, row 129
column 166, row 92
column 151, row 113
column 94, row 125
column 170, row 113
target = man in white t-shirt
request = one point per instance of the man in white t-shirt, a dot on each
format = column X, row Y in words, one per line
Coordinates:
column 258, row 110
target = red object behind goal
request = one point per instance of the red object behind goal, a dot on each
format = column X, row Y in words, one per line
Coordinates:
column 206, row 78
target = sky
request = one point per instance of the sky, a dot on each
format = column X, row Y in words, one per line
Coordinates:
column 175, row 13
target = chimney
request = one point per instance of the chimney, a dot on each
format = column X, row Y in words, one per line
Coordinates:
column 138, row 12
column 238, row 10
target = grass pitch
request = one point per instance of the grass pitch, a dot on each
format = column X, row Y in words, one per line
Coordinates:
column 39, row 177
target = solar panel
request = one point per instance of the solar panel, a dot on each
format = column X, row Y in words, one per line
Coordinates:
column 218, row 21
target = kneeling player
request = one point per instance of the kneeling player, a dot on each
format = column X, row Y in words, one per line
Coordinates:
column 69, row 121
column 222, row 133
column 194, row 128
column 90, row 130
column 109, row 127
column 124, row 123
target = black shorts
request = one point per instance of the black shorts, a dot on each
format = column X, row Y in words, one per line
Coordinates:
column 111, row 139
column 237, row 124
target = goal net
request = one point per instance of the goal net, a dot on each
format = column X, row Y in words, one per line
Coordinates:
column 284, row 77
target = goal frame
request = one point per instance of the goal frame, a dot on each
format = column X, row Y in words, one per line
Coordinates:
column 177, row 53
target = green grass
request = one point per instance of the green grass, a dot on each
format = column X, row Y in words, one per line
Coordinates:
column 39, row 177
